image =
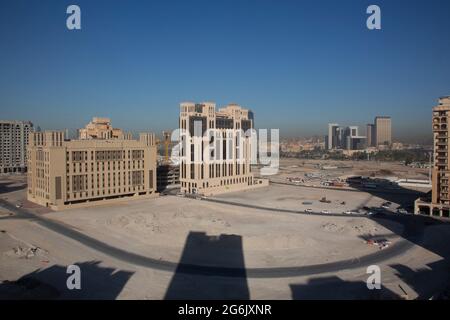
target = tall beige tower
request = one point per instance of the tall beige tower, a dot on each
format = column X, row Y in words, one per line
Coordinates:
column 370, row 134
column 441, row 173
column 439, row 204
column 383, row 131
column 226, row 167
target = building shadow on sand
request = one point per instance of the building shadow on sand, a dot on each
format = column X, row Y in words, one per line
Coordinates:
column 432, row 280
column 211, row 267
column 11, row 186
column 334, row 288
column 97, row 282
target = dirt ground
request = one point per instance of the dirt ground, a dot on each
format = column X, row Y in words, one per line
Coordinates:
column 347, row 167
column 33, row 259
column 159, row 228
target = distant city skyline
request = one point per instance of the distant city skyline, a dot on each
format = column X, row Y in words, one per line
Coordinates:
column 73, row 133
column 298, row 66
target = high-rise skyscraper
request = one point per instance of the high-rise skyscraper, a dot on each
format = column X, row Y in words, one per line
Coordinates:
column 14, row 137
column 370, row 134
column 383, row 130
column 344, row 138
column 333, row 135
column 439, row 204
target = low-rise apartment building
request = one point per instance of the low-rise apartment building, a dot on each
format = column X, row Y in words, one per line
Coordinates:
column 67, row 173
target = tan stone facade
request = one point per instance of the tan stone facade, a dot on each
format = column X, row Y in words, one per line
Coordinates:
column 439, row 203
column 100, row 128
column 220, row 173
column 383, row 131
column 370, row 135
column 67, row 173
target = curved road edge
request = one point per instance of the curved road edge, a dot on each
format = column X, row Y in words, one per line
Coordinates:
column 168, row 266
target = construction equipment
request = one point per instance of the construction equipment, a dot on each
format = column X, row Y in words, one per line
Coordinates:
column 324, row 200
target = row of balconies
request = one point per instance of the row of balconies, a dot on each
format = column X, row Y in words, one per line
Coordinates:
column 440, row 127
column 440, row 119
column 439, row 113
column 441, row 165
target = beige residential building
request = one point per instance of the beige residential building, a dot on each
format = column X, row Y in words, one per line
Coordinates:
column 227, row 165
column 67, row 173
column 383, row 131
column 439, row 202
column 14, row 137
column 100, row 128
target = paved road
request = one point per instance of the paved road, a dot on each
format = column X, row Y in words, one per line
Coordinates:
column 361, row 189
column 251, row 206
column 278, row 272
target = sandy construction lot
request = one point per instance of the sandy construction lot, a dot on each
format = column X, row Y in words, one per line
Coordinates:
column 292, row 166
column 184, row 231
column 293, row 198
column 159, row 228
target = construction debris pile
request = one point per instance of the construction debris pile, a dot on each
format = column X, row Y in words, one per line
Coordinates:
column 382, row 244
column 29, row 253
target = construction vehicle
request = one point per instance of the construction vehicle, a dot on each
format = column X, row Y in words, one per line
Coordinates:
column 324, row 200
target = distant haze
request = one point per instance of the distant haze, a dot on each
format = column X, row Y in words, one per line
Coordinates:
column 297, row 64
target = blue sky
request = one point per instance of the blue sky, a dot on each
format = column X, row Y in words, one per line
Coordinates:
column 297, row 64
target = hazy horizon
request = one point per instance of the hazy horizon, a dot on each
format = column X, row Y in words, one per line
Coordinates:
column 298, row 66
